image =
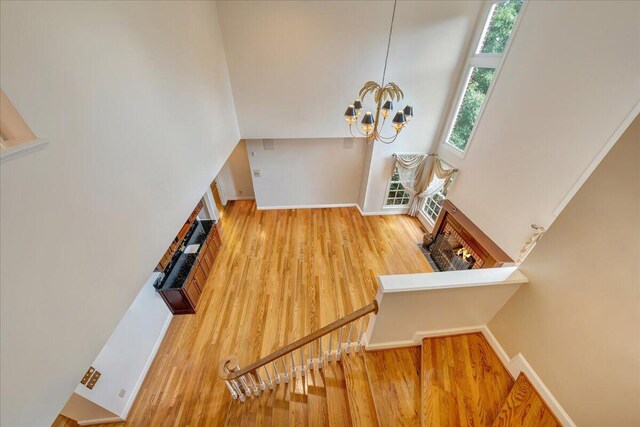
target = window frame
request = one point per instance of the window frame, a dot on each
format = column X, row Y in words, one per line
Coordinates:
column 386, row 193
column 475, row 59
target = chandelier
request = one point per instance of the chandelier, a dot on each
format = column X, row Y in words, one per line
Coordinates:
column 383, row 96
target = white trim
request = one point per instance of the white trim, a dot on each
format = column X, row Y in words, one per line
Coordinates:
column 100, row 421
column 145, row 370
column 446, row 132
column 221, row 193
column 239, row 197
column 360, row 209
column 402, row 211
column 514, row 365
column 518, row 364
column 22, row 149
column 598, row 158
column 320, row 206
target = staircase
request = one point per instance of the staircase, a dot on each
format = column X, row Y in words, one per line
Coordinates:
column 448, row 381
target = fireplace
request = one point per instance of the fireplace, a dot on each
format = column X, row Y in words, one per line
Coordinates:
column 456, row 243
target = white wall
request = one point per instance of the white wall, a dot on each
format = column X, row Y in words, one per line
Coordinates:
column 570, row 79
column 306, row 172
column 295, row 66
column 412, row 306
column 129, row 351
column 136, row 102
column 577, row 321
column 234, row 179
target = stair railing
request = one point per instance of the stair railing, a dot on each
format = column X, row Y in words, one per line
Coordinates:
column 256, row 377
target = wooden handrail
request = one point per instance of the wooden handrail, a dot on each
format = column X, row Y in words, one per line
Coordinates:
column 228, row 373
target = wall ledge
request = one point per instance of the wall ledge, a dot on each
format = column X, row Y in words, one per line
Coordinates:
column 22, row 149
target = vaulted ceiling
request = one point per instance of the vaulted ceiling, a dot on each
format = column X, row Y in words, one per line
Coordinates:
column 295, row 66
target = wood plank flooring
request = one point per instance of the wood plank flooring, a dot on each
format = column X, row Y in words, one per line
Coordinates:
column 524, row 407
column 463, row 381
column 394, row 378
column 279, row 276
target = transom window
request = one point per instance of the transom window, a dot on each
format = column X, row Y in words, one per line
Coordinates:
column 481, row 69
column 396, row 196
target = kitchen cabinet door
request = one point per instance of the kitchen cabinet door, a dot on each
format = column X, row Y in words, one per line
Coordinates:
column 193, row 292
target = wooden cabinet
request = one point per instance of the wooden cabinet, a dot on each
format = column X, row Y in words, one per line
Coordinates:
column 175, row 244
column 183, row 298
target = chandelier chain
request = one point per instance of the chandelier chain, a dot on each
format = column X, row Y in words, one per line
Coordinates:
column 386, row 58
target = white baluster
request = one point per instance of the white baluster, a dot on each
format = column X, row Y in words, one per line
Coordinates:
column 359, row 337
column 339, row 353
column 256, row 390
column 310, row 359
column 348, row 349
column 320, row 355
column 266, row 371
column 329, row 350
column 293, row 365
column 247, row 390
column 263, row 386
column 285, row 374
column 275, row 373
column 303, row 366
column 234, row 395
column 238, row 390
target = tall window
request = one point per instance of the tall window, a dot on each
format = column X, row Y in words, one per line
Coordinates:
column 396, row 196
column 481, row 69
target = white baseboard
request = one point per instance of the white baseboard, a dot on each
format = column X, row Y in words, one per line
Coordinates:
column 514, row 365
column 240, row 198
column 143, row 375
column 518, row 364
column 100, row 421
column 320, row 206
column 387, row 212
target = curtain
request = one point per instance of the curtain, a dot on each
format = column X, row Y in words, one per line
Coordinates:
column 434, row 177
column 411, row 172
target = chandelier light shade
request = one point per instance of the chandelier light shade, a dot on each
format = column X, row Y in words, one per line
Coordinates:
column 383, row 96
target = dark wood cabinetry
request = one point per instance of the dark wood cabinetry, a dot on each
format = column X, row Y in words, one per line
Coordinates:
column 175, row 244
column 187, row 273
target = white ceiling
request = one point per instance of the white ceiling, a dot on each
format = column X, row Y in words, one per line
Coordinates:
column 295, row 66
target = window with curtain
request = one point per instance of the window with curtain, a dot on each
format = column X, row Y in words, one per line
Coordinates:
column 481, row 69
column 437, row 192
column 396, row 195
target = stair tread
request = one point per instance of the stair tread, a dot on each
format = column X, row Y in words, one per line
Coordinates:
column 394, row 377
column 337, row 400
column 317, row 399
column 361, row 406
column 524, row 407
column 463, row 381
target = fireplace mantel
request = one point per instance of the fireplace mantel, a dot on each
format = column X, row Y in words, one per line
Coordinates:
column 486, row 252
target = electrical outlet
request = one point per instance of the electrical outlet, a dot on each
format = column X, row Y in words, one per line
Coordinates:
column 122, row 392
column 257, row 173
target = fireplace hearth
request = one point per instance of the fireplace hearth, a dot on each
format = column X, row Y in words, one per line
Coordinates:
column 456, row 243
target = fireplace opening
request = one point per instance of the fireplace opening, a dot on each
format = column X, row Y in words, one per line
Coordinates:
column 448, row 254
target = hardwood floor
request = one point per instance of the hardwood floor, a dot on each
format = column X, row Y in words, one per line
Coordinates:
column 394, row 377
column 463, row 381
column 525, row 407
column 279, row 276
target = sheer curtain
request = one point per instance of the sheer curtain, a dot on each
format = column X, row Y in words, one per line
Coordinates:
column 411, row 172
column 422, row 175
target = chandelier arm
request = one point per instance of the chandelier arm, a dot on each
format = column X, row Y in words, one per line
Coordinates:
column 382, row 137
